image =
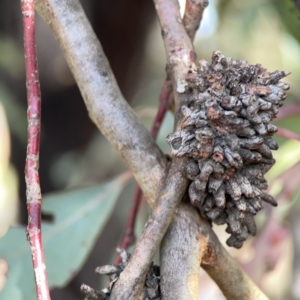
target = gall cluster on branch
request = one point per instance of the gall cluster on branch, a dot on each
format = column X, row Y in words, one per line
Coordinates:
column 151, row 289
column 227, row 135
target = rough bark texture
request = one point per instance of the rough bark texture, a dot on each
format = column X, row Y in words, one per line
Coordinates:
column 193, row 15
column 33, row 189
column 106, row 106
column 180, row 58
column 177, row 278
column 179, row 50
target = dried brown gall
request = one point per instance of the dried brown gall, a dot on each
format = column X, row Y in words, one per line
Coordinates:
column 227, row 135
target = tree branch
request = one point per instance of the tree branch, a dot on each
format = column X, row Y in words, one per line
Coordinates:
column 131, row 281
column 180, row 55
column 104, row 101
column 180, row 255
column 129, row 237
column 33, row 189
column 224, row 270
column 179, row 50
column 193, row 15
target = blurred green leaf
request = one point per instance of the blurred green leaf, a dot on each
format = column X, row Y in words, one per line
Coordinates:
column 79, row 217
column 286, row 157
column 12, row 57
column 289, row 14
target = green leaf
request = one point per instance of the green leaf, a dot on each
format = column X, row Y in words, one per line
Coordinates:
column 286, row 157
column 79, row 217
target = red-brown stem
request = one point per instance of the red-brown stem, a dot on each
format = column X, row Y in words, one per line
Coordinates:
column 128, row 237
column 33, row 190
column 288, row 134
column 164, row 100
column 288, row 111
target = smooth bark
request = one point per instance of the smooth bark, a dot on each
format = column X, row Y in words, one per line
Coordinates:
column 105, row 104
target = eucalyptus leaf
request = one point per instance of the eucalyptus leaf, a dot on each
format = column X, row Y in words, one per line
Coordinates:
column 79, row 217
column 286, row 157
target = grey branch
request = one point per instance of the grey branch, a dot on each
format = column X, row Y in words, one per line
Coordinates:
column 193, row 15
column 131, row 281
column 224, row 270
column 176, row 268
column 180, row 56
column 180, row 256
column 105, row 104
column 179, row 51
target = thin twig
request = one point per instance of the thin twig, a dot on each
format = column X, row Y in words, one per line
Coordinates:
column 193, row 15
column 129, row 237
column 288, row 111
column 164, row 102
column 288, row 134
column 33, row 189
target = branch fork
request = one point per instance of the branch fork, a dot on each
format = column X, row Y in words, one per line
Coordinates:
column 163, row 188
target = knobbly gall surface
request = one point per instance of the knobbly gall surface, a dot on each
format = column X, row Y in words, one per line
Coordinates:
column 227, row 135
column 151, row 289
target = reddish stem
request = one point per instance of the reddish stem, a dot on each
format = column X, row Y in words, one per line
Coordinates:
column 289, row 110
column 164, row 100
column 33, row 190
column 288, row 134
column 128, row 238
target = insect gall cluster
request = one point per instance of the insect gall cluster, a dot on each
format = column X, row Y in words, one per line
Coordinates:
column 227, row 135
